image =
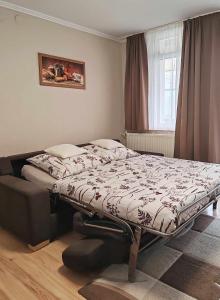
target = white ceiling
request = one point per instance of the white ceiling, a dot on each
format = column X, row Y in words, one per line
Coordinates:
column 120, row 18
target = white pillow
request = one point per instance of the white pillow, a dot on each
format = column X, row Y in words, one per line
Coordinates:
column 107, row 144
column 65, row 150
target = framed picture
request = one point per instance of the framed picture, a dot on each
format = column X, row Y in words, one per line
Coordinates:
column 61, row 72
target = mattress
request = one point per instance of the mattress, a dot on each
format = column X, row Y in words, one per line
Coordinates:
column 38, row 177
column 151, row 191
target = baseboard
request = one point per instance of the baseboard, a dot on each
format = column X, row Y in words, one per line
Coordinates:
column 38, row 246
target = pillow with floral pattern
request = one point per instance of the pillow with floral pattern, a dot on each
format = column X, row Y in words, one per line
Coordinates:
column 111, row 154
column 60, row 168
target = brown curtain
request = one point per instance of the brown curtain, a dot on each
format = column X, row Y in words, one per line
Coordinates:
column 136, row 84
column 198, row 112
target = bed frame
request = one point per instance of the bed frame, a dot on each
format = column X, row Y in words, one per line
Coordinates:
column 136, row 232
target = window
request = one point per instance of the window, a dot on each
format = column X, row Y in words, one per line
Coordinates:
column 164, row 57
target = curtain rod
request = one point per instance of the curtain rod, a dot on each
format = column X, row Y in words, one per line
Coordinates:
column 175, row 22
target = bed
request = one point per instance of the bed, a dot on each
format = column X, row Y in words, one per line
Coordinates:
column 143, row 194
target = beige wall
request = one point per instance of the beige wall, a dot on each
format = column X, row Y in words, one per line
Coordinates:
column 33, row 117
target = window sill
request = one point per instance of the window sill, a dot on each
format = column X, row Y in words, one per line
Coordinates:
column 162, row 131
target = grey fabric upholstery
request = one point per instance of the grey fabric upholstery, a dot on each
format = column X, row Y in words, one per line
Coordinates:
column 81, row 221
column 24, row 209
column 5, row 166
column 90, row 254
column 149, row 153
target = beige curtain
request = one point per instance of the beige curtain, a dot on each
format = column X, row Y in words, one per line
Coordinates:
column 136, row 84
column 198, row 112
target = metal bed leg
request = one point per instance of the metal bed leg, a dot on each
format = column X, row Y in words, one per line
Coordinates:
column 215, row 205
column 134, row 249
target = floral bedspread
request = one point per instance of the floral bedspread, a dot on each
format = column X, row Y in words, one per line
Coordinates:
column 147, row 190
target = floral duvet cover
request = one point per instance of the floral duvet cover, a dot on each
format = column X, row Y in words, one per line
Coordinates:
column 148, row 190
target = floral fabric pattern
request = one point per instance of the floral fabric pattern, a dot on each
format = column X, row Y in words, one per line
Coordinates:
column 147, row 190
column 112, row 154
column 61, row 168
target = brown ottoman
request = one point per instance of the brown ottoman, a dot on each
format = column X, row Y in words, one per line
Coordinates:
column 90, row 254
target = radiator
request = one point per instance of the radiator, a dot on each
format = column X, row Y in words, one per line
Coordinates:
column 153, row 142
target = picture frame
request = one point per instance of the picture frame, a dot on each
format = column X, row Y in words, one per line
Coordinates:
column 57, row 71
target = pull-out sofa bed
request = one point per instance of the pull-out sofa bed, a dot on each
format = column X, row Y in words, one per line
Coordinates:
column 140, row 193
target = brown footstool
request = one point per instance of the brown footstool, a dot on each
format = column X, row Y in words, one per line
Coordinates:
column 90, row 254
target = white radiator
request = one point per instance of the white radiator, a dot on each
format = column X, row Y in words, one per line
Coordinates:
column 153, row 142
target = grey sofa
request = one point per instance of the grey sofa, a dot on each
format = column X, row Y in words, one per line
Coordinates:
column 27, row 210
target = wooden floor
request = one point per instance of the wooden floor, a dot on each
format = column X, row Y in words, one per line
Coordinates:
column 41, row 274
column 37, row 275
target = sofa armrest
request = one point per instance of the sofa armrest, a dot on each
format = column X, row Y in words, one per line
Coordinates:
column 149, row 153
column 5, row 166
column 24, row 209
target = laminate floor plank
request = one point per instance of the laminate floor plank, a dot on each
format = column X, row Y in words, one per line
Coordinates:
column 11, row 286
column 37, row 275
